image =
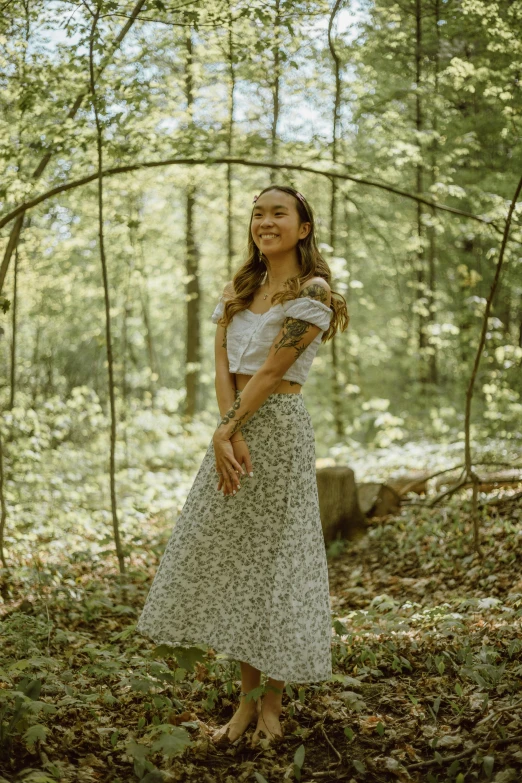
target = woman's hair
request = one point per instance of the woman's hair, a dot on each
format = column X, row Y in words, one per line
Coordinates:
column 250, row 275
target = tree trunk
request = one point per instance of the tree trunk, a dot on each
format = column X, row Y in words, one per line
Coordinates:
column 420, row 261
column 277, row 78
column 192, row 344
column 193, row 347
column 108, row 338
column 12, row 380
column 336, row 383
column 230, row 146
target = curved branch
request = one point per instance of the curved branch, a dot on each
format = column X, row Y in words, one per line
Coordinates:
column 30, row 203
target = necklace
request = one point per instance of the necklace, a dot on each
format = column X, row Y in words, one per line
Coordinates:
column 265, row 295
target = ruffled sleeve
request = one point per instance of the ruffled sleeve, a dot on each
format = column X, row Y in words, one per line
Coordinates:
column 311, row 310
column 218, row 312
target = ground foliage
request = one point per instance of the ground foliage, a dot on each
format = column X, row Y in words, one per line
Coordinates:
column 426, row 651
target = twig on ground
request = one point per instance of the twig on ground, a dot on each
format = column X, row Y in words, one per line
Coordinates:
column 339, row 757
column 457, row 756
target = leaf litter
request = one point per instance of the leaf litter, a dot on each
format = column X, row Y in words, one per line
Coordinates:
column 426, row 646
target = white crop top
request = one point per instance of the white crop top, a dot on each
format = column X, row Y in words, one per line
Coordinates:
column 250, row 335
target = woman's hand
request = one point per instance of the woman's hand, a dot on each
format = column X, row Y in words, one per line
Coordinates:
column 227, row 465
column 242, row 455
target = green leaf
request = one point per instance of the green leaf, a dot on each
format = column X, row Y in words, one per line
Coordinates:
column 380, row 729
column 299, row 756
column 35, row 733
column 488, row 764
column 185, row 656
column 259, row 778
column 140, row 685
column 172, row 743
column 349, row 733
column 137, row 750
column 359, row 766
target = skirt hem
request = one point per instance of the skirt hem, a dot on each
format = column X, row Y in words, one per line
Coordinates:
column 250, row 659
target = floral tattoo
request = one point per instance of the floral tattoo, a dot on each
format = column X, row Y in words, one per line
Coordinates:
column 315, row 291
column 293, row 331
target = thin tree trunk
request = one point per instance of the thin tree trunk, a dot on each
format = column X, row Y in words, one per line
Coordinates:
column 230, row 146
column 420, row 261
column 17, row 225
column 336, row 382
column 192, row 344
column 3, row 513
column 470, row 473
column 110, row 362
column 193, row 299
column 276, row 85
column 12, row 379
column 433, row 374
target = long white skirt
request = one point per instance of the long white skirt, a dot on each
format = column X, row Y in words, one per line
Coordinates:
column 246, row 574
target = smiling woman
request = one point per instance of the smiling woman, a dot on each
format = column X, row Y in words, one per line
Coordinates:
column 245, row 568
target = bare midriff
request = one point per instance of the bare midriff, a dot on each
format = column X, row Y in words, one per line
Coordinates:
column 285, row 387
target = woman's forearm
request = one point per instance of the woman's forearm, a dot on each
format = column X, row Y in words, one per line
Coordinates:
column 225, row 385
column 260, row 386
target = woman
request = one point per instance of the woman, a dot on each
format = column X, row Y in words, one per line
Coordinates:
column 245, row 568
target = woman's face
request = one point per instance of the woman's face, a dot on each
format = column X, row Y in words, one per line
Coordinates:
column 275, row 223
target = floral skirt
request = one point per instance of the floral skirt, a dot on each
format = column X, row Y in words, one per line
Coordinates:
column 246, row 574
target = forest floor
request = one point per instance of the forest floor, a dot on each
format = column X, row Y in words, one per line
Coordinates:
column 426, row 650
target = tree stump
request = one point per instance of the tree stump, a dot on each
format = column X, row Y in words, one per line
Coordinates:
column 377, row 499
column 341, row 516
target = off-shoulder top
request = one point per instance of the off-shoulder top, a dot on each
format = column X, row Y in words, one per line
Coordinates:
column 250, row 335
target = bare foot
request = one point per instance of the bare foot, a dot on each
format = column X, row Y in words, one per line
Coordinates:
column 268, row 724
column 245, row 714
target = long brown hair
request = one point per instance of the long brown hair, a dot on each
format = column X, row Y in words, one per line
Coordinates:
column 249, row 276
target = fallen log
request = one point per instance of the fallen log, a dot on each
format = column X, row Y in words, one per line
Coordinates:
column 487, row 481
column 377, row 499
column 414, row 481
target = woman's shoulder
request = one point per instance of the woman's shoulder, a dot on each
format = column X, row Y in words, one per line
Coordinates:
column 317, row 288
column 228, row 290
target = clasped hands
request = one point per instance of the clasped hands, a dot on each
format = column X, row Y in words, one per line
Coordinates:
column 230, row 459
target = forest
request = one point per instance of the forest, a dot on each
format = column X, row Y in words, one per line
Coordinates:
column 134, row 136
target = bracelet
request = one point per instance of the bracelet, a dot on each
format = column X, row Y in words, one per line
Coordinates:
column 237, row 440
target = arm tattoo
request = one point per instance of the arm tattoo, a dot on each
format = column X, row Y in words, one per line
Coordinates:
column 229, row 415
column 293, row 331
column 224, row 343
column 315, row 291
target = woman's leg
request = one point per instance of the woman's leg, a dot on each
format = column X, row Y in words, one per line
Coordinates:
column 247, row 710
column 268, row 720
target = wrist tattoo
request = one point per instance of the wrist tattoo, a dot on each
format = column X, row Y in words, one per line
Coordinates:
column 293, row 331
column 229, row 415
column 232, row 412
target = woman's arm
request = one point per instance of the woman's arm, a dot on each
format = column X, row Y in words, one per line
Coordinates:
column 294, row 337
column 225, row 382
